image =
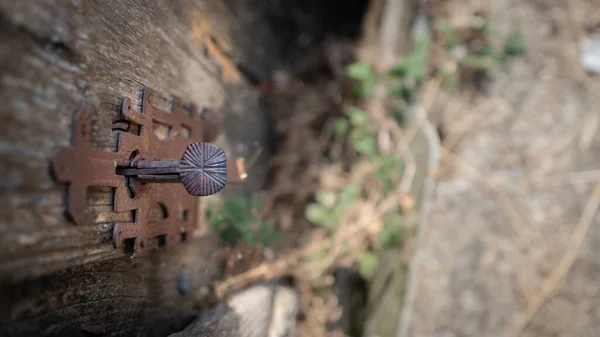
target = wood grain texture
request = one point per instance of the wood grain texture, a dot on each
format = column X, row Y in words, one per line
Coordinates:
column 220, row 321
column 57, row 55
column 126, row 297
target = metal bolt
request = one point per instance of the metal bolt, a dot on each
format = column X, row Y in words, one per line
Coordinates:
column 202, row 169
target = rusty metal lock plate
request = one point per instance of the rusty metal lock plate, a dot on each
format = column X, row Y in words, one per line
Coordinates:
column 82, row 166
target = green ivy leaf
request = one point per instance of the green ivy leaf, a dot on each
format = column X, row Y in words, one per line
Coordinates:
column 487, row 50
column 360, row 71
column 247, row 235
column 417, row 67
column 348, row 195
column 254, row 204
column 406, row 94
column 319, row 215
column 400, row 69
column 358, row 116
column 400, row 90
column 340, row 126
column 267, row 234
column 366, row 87
column 367, row 264
column 389, row 161
column 400, row 113
column 394, row 88
column 451, row 42
column 235, row 206
column 515, row 45
column 365, row 145
column 391, row 234
column 230, row 234
column 443, row 27
column 216, row 221
column 236, row 220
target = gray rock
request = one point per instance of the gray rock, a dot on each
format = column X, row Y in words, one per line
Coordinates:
column 589, row 52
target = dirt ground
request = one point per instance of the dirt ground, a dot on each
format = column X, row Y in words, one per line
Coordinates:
column 513, row 237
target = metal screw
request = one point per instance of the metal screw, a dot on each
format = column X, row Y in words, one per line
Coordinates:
column 202, row 169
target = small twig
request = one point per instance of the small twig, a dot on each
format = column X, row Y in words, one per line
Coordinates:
column 550, row 285
column 254, row 158
column 262, row 271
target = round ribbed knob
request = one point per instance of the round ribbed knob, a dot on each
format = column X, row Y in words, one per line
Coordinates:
column 203, row 169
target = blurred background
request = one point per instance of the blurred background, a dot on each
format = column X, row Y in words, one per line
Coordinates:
column 415, row 168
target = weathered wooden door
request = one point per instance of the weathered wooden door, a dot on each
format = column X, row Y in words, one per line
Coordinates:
column 58, row 278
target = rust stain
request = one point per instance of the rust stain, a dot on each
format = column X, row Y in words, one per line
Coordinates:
column 203, row 33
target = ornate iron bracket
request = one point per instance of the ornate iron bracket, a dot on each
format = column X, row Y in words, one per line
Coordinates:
column 82, row 166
